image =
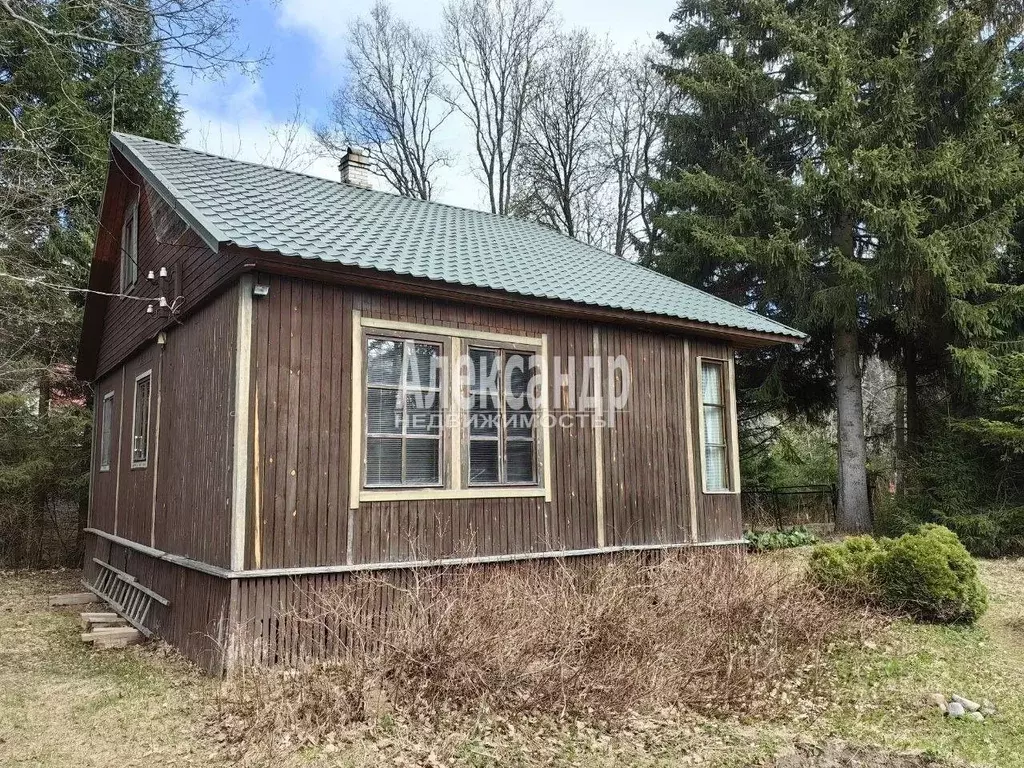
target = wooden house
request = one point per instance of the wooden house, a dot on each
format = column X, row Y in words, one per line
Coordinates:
column 283, row 400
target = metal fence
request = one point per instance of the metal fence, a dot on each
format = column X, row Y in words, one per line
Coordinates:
column 786, row 507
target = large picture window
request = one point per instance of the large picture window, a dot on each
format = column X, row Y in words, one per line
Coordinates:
column 502, row 422
column 447, row 413
column 106, row 430
column 715, row 427
column 140, row 420
column 403, row 413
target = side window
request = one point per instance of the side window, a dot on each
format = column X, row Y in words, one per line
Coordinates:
column 403, row 413
column 130, row 248
column 106, row 430
column 502, row 423
column 140, row 420
column 715, row 429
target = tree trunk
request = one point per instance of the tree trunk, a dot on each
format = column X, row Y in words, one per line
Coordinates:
column 900, row 427
column 853, row 514
column 913, row 399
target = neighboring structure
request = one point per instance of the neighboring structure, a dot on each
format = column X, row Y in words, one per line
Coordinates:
column 281, row 398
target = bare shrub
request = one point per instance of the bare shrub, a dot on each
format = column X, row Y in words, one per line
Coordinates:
column 715, row 632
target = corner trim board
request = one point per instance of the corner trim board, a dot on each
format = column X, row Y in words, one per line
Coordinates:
column 598, row 442
column 240, row 454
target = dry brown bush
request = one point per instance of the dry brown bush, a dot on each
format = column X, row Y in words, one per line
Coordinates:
column 713, row 632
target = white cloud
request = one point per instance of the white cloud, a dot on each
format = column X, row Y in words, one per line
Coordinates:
column 233, row 119
column 235, row 122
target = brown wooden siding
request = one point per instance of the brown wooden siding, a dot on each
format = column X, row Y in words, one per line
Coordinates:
column 103, row 491
column 191, row 421
column 135, row 485
column 646, row 486
column 301, row 400
column 303, row 335
column 196, row 621
column 196, row 439
column 126, row 324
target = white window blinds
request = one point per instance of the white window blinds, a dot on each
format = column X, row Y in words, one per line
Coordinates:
column 716, row 449
column 403, row 413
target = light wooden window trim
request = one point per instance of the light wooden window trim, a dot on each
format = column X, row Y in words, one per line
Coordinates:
column 454, row 485
column 130, row 256
column 730, row 426
column 141, row 463
column 106, row 438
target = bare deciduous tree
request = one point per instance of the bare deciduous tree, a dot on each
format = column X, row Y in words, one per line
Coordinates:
column 198, row 35
column 638, row 96
column 561, row 171
column 492, row 51
column 394, row 102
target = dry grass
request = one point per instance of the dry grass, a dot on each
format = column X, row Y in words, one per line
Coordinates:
column 717, row 634
column 64, row 704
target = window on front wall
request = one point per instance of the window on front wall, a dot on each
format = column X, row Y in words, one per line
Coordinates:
column 130, row 248
column 404, row 439
column 140, row 420
column 716, row 446
column 106, row 430
column 502, row 426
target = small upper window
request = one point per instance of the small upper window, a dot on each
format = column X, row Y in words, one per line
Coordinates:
column 716, row 446
column 130, row 248
column 106, row 430
column 403, row 413
column 140, row 422
column 502, row 423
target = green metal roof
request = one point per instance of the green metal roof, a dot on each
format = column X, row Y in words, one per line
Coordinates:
column 255, row 206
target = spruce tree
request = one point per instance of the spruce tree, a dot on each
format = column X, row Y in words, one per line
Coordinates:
column 851, row 169
column 60, row 102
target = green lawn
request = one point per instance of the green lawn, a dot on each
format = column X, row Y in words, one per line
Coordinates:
column 63, row 704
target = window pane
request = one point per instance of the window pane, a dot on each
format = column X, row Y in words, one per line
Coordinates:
column 483, row 461
column 483, row 416
column 382, row 411
column 711, row 378
column 422, row 462
column 106, row 432
column 519, row 423
column 383, row 461
column 422, row 413
column 483, row 374
column 140, row 433
column 423, row 366
column 384, row 361
column 519, row 373
column 714, row 424
column 714, row 468
column 519, row 457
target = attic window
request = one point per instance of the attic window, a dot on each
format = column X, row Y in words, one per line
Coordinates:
column 130, row 248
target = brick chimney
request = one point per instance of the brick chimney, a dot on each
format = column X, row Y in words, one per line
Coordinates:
column 355, row 167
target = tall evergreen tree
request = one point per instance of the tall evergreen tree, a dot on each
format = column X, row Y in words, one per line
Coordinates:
column 60, row 103
column 848, row 168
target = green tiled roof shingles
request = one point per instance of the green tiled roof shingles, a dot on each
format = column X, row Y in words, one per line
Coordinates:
column 254, row 206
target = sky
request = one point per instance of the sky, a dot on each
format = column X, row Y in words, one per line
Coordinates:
column 305, row 39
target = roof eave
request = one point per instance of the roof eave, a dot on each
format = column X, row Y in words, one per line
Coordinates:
column 210, row 234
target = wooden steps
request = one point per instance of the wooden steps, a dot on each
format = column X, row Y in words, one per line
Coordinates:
column 112, row 637
column 91, row 621
column 74, row 598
